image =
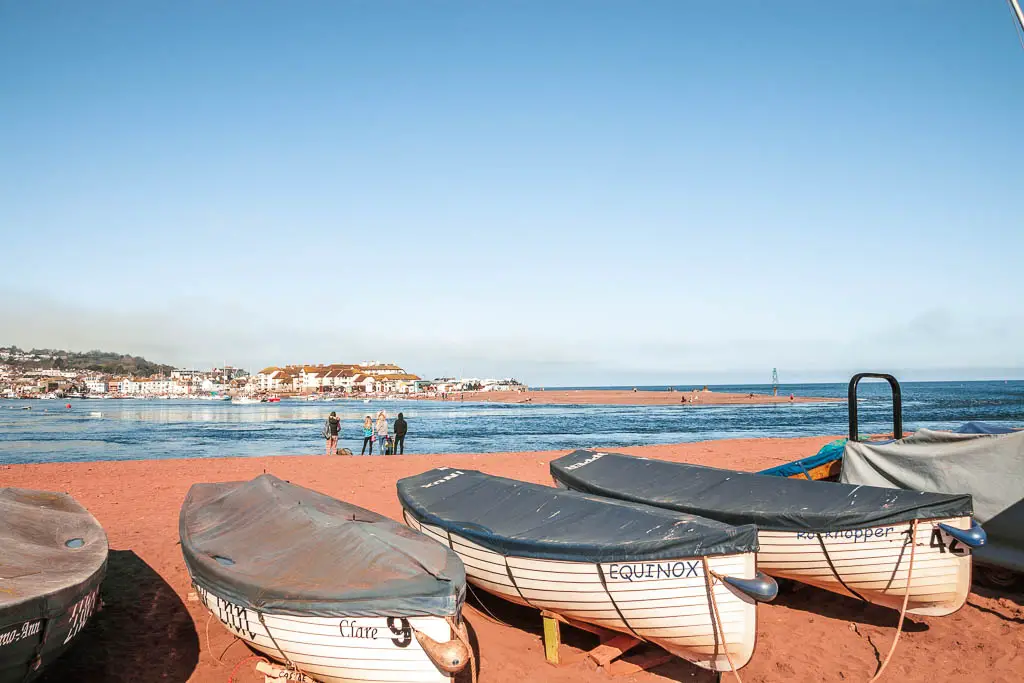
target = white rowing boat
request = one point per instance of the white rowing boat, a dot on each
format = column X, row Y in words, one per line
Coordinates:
column 628, row 568
column 853, row 540
column 332, row 591
column 873, row 563
column 337, row 649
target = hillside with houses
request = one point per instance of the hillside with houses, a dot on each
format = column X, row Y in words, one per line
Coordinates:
column 46, row 374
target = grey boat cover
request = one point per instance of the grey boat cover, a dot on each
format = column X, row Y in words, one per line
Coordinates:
column 513, row 517
column 279, row 548
column 989, row 467
column 39, row 570
column 772, row 503
column 53, row 554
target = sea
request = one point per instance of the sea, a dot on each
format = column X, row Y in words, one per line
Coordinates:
column 134, row 429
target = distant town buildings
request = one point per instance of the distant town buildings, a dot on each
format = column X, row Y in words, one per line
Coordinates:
column 369, row 378
column 337, row 379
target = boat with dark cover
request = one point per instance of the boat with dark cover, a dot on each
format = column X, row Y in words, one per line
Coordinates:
column 853, row 540
column 53, row 556
column 334, row 591
column 650, row 573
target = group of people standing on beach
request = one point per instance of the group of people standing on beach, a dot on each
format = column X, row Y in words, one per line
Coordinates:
column 372, row 431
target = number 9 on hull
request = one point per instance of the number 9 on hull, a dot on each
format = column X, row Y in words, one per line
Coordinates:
column 336, row 593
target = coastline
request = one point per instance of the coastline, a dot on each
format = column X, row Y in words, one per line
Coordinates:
column 150, row 630
column 622, row 397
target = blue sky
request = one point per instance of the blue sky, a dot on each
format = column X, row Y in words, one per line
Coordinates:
column 568, row 192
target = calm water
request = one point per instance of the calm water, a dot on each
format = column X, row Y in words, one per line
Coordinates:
column 136, row 429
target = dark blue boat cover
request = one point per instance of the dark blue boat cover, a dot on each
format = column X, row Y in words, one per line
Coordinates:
column 772, row 503
column 279, row 548
column 529, row 520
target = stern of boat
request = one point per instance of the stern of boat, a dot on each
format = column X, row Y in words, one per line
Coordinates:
column 873, row 563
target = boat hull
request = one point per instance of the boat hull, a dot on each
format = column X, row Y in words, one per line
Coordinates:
column 338, row 649
column 27, row 647
column 665, row 602
column 873, row 563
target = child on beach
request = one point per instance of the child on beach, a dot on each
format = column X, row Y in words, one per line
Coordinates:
column 382, row 431
column 367, row 434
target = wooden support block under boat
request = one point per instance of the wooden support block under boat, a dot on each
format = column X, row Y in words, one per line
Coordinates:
column 603, row 654
column 552, row 638
column 600, row 632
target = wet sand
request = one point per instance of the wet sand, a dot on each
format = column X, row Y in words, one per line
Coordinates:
column 625, row 397
column 150, row 631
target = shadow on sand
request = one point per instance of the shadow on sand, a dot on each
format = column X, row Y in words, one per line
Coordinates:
column 806, row 598
column 1005, row 598
column 529, row 620
column 143, row 633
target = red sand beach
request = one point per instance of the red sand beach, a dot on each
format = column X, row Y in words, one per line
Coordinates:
column 621, row 397
column 150, row 631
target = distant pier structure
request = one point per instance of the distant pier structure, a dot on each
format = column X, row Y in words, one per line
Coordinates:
column 775, row 381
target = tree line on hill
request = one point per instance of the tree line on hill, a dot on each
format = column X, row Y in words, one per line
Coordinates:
column 106, row 362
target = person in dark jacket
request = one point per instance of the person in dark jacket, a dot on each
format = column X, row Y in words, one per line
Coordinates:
column 401, row 427
column 330, row 432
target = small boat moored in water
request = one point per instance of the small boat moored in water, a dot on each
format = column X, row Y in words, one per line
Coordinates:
column 53, row 556
column 852, row 540
column 683, row 583
column 335, row 592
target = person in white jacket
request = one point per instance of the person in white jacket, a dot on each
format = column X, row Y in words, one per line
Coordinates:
column 382, row 431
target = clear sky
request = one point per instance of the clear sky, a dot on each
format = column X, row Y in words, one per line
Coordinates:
column 581, row 192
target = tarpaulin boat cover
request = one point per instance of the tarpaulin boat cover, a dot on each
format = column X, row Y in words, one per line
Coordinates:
column 529, row 520
column 279, row 548
column 53, row 555
column 990, row 468
column 983, row 428
column 51, row 550
column 830, row 452
column 772, row 503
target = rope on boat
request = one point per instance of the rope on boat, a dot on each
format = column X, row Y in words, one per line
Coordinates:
column 604, row 584
column 508, row 572
column 209, row 648
column 708, row 576
column 284, row 655
column 906, row 599
column 240, row 662
column 462, row 633
column 835, row 572
column 493, row 618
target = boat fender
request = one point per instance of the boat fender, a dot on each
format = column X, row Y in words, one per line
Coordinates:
column 450, row 657
column 975, row 537
column 761, row 588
